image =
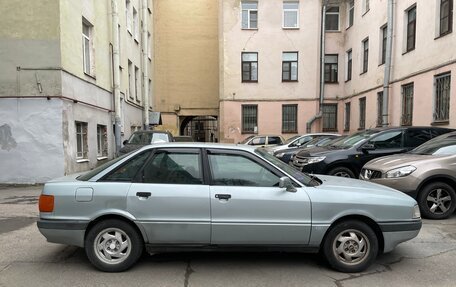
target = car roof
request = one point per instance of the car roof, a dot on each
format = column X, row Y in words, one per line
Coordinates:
column 152, row 131
column 200, row 145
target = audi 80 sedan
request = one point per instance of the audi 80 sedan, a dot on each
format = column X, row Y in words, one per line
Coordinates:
column 179, row 197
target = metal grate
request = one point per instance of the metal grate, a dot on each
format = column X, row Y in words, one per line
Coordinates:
column 347, row 116
column 407, row 105
column 249, row 118
column 442, row 98
column 289, row 118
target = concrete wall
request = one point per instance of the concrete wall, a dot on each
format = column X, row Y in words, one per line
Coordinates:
column 31, row 145
column 186, row 59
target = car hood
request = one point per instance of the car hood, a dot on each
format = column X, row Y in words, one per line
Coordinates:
column 387, row 163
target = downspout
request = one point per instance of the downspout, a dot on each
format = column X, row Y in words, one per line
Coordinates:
column 322, row 68
column 388, row 58
column 116, row 74
column 145, row 64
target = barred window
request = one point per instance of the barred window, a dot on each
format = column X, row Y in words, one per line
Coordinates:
column 81, row 140
column 249, row 67
column 331, row 68
column 442, row 97
column 102, row 141
column 362, row 113
column 347, row 116
column 379, row 109
column 329, row 117
column 407, row 105
column 249, row 118
column 289, row 118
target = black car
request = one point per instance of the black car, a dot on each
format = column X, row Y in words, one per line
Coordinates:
column 347, row 157
column 286, row 155
column 141, row 138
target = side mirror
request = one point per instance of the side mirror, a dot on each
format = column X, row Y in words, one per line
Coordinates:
column 125, row 142
column 285, row 182
column 367, row 147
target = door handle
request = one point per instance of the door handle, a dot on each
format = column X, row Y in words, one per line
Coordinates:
column 143, row 194
column 223, row 196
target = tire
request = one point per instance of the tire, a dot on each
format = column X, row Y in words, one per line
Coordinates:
column 103, row 245
column 437, row 200
column 342, row 172
column 350, row 246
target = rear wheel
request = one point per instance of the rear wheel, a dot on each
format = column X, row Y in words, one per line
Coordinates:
column 342, row 172
column 437, row 200
column 350, row 246
column 113, row 245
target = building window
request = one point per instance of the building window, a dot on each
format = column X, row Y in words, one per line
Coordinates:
column 135, row 24
column 362, row 113
column 347, row 117
column 446, row 17
column 130, row 80
column 332, row 19
column 351, row 13
column 87, row 46
column 249, row 67
column 128, row 15
column 331, row 68
column 81, row 140
column 411, row 29
column 289, row 66
column 102, row 141
column 290, row 14
column 407, row 105
column 289, row 118
column 384, row 32
column 379, row 109
column 442, row 97
column 349, row 65
column 329, row 117
column 137, row 92
column 365, row 55
column 366, row 6
column 249, row 14
column 249, row 119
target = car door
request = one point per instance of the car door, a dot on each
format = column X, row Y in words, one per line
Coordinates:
column 385, row 143
column 247, row 205
column 170, row 199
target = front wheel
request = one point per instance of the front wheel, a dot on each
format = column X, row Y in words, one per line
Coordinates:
column 437, row 200
column 113, row 245
column 342, row 172
column 350, row 246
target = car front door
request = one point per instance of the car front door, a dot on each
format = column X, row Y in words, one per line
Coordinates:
column 247, row 205
column 386, row 143
column 170, row 199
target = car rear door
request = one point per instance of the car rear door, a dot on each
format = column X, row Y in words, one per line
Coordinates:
column 247, row 205
column 170, row 199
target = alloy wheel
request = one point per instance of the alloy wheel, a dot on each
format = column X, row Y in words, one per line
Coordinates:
column 439, row 201
column 351, row 246
column 112, row 246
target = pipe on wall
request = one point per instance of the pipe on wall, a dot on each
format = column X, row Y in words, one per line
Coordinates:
column 388, row 59
column 145, row 55
column 116, row 74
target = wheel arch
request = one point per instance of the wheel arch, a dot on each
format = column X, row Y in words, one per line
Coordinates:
column 365, row 219
column 343, row 164
column 451, row 181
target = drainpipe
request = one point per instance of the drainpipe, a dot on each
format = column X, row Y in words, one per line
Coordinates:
column 322, row 68
column 145, row 64
column 116, row 75
column 388, row 58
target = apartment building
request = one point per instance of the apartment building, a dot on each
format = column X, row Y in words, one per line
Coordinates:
column 57, row 95
column 281, row 75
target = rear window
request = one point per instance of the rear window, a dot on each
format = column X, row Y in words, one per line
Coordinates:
column 274, row 140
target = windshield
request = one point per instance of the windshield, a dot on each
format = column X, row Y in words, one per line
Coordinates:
column 88, row 175
column 140, row 138
column 246, row 140
column 291, row 139
column 299, row 176
column 443, row 145
column 353, row 140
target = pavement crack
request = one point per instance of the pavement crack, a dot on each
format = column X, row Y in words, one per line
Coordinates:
column 4, row 268
column 188, row 272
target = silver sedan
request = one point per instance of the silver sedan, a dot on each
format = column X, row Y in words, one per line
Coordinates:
column 187, row 197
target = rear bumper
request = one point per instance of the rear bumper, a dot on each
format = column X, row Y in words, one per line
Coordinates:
column 397, row 232
column 69, row 232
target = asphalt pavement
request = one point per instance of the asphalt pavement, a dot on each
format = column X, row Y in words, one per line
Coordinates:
column 26, row 259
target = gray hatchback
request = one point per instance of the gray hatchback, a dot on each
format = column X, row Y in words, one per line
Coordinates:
column 221, row 197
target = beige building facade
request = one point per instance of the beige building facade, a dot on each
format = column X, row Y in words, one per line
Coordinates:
column 272, row 80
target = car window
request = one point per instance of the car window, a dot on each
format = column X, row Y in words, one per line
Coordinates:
column 390, row 139
column 160, row 138
column 136, row 138
column 173, row 168
column 258, row 141
column 237, row 170
column 304, row 139
column 246, row 140
column 128, row 170
column 292, row 139
column 416, row 137
column 274, row 140
column 442, row 145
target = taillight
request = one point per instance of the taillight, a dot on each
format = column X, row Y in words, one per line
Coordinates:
column 46, row 203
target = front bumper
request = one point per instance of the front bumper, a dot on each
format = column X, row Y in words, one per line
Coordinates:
column 406, row 184
column 69, row 232
column 397, row 232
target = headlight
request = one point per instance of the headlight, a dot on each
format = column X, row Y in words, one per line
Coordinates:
column 416, row 212
column 400, row 172
column 280, row 155
column 315, row 159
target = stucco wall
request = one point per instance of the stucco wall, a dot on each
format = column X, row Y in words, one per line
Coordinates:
column 31, row 145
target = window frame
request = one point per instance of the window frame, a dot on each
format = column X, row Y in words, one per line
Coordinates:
column 333, row 13
column 365, row 63
column 102, row 141
column 290, row 10
column 407, row 120
column 87, row 45
column 379, row 109
column 449, row 16
column 250, row 68
column 362, row 113
column 249, row 11
column 350, row 13
column 330, row 66
column 82, row 154
column 347, row 116
column 410, row 23
column 384, row 39
column 437, row 104
column 349, row 57
column 293, row 119
column 366, row 6
column 243, row 128
column 330, row 129
column 290, row 65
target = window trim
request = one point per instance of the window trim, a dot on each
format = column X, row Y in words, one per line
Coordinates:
column 290, row 10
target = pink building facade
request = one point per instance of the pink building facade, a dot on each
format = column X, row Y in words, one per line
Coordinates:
column 270, row 79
